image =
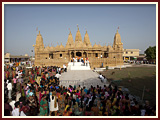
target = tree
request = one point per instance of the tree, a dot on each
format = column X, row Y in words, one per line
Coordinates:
column 150, row 53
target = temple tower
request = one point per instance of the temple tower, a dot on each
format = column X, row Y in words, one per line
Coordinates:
column 117, row 45
column 70, row 41
column 39, row 46
column 118, row 49
column 86, row 40
column 78, row 39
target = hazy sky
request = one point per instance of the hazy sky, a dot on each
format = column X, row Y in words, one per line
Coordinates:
column 137, row 25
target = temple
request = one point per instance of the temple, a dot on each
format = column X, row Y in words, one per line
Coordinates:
column 97, row 55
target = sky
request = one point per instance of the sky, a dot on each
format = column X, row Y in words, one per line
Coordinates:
column 137, row 25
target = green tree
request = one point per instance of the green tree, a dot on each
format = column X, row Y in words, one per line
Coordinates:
column 150, row 53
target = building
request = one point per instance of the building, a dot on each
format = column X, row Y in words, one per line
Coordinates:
column 96, row 54
column 130, row 54
column 8, row 58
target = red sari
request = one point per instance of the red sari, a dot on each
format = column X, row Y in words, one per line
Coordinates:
column 40, row 96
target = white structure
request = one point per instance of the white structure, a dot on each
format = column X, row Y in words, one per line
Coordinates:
column 78, row 66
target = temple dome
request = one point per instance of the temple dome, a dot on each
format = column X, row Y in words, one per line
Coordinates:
column 99, row 46
column 109, row 46
column 95, row 46
column 61, row 46
column 47, row 48
column 57, row 47
column 52, row 48
column 105, row 46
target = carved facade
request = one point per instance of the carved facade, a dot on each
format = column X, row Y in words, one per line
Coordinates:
column 59, row 55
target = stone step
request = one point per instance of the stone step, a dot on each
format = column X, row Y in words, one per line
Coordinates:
column 78, row 66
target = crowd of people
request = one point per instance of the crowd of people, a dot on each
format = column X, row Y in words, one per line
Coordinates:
column 37, row 92
column 85, row 61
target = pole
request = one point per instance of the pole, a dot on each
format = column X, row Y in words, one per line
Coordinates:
column 143, row 93
column 32, row 57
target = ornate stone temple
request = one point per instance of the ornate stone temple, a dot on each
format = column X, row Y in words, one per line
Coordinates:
column 96, row 54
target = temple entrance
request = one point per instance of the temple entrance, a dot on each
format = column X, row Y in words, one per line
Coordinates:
column 85, row 54
column 79, row 54
column 72, row 54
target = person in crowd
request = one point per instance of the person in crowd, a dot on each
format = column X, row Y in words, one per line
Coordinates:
column 25, row 108
column 53, row 103
column 14, row 82
column 32, row 105
column 43, row 106
column 7, row 107
column 17, row 111
column 9, row 87
column 13, row 102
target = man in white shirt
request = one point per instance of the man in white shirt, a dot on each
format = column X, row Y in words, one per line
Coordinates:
column 85, row 62
column 105, row 80
column 9, row 87
column 65, row 68
column 7, row 81
column 13, row 102
column 100, row 76
column 19, row 74
column 57, row 75
column 59, row 70
column 16, row 111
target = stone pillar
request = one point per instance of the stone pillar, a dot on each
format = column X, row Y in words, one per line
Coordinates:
column 129, row 58
column 69, row 56
column 74, row 54
column 124, row 58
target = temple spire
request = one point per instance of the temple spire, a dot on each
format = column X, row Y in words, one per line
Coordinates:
column 86, row 29
column 117, row 29
column 77, row 27
column 69, row 31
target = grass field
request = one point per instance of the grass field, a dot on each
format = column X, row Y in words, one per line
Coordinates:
column 135, row 78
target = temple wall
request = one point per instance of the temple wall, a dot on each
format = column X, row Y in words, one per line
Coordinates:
column 97, row 62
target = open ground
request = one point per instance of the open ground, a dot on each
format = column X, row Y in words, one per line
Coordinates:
column 135, row 79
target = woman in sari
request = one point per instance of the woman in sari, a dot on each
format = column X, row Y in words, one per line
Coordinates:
column 61, row 104
column 41, row 93
column 43, row 106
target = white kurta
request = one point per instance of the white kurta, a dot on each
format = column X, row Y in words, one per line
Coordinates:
column 52, row 108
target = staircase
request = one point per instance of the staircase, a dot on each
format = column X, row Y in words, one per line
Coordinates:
column 78, row 66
